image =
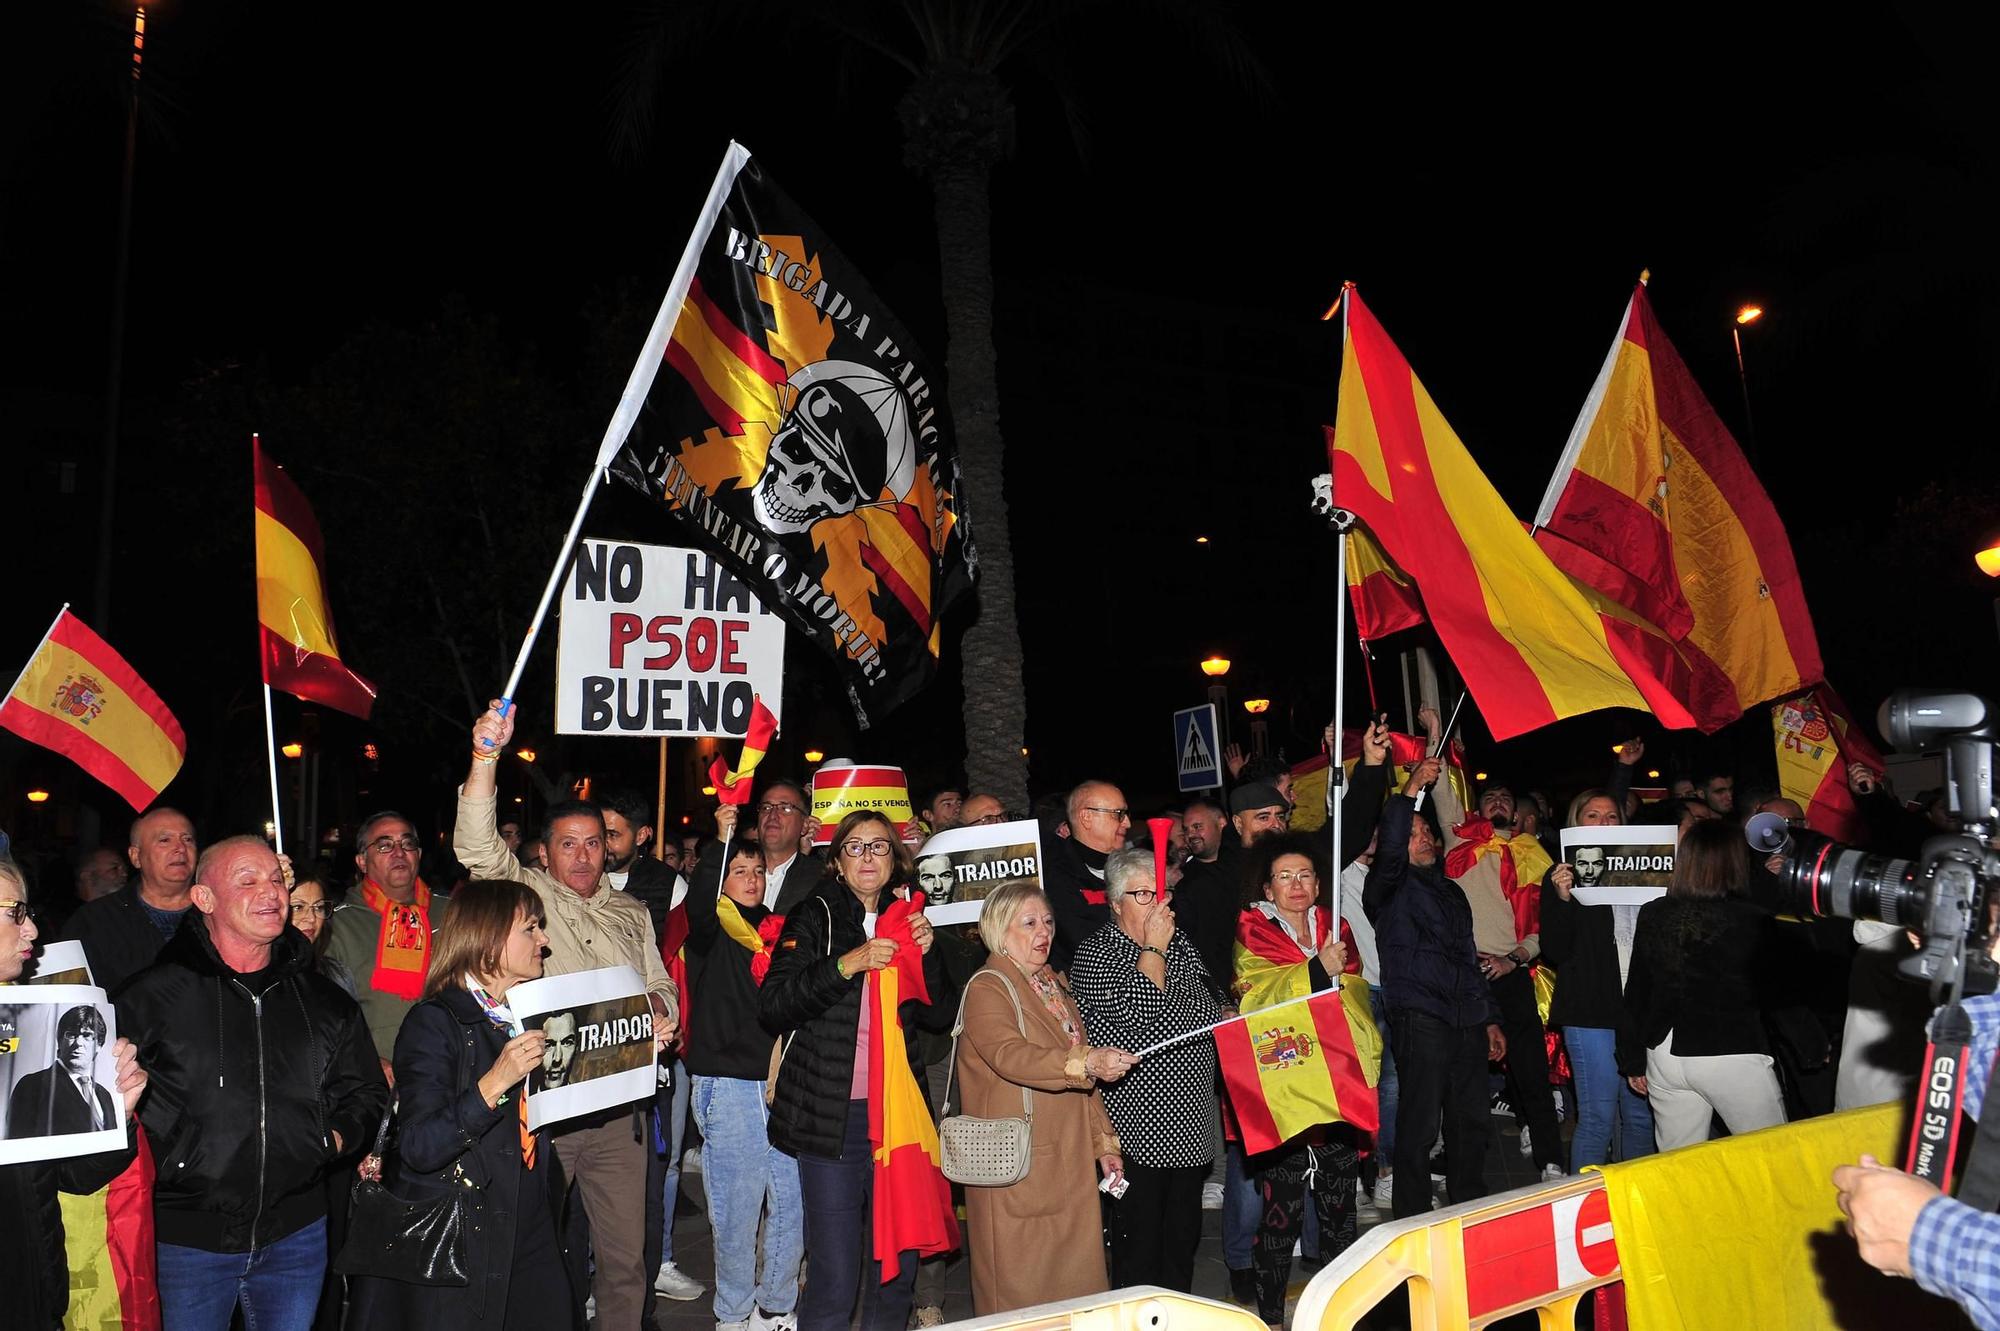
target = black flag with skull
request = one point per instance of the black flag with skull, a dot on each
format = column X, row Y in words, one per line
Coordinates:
column 791, row 423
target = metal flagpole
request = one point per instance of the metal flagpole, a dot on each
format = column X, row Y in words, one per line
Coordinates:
column 1336, row 774
column 271, row 750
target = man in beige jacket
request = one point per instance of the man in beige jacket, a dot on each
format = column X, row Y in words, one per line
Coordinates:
column 589, row 926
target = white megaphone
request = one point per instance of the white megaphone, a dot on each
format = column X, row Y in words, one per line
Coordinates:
column 1768, row 833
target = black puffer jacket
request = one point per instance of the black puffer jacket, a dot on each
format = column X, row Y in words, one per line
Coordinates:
column 1423, row 930
column 248, row 1079
column 804, row 993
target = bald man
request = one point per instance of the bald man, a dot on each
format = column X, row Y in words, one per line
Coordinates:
column 124, row 931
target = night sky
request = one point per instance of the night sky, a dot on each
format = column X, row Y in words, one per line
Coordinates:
column 317, row 184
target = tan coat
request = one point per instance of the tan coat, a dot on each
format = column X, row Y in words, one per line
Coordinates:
column 1041, row 1238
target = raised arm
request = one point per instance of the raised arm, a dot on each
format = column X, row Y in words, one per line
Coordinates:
column 475, row 836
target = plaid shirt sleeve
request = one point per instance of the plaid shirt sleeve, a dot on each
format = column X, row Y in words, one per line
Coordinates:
column 1955, row 1252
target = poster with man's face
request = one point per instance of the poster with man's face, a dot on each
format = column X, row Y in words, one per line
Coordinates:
column 58, row 1077
column 1619, row 866
column 599, row 1054
column 958, row 869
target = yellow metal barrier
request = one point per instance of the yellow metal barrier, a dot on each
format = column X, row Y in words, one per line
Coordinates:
column 1139, row 1308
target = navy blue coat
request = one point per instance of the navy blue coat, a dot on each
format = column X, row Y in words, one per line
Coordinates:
column 1423, row 930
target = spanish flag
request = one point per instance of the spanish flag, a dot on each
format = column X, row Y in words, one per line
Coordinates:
column 1306, row 1061
column 912, row 1208
column 1816, row 739
column 1384, row 597
column 1309, row 778
column 78, row 697
column 733, row 786
column 295, row 626
column 1655, row 506
column 1532, row 646
column 108, row 1235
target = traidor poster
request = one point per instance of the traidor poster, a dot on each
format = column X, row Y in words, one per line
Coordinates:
column 600, row 1051
column 58, row 1078
column 1619, row 866
column 958, row 869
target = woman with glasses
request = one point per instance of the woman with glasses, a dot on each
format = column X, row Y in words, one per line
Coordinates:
column 34, row 1273
column 1138, row 981
column 1287, row 946
column 310, row 910
column 812, row 997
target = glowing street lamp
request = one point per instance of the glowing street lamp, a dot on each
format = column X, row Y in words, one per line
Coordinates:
column 814, row 755
column 1260, row 730
column 38, row 796
column 1215, row 667
column 1989, row 560
column 1745, row 316
column 525, row 755
column 1256, row 706
column 293, row 750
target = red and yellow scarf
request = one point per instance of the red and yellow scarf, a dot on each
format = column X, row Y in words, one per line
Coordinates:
column 913, row 1210
column 757, row 939
column 1523, row 865
column 402, row 944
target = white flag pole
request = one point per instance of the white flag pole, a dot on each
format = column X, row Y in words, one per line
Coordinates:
column 271, row 750
column 633, row 399
column 1231, row 1021
column 50, row 632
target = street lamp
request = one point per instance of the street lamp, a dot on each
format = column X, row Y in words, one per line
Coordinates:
column 525, row 755
column 814, row 755
column 292, row 750
column 1260, row 731
column 38, row 796
column 1745, row 316
column 1989, row 560
column 1215, row 667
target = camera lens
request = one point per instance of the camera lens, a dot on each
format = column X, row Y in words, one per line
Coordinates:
column 1823, row 877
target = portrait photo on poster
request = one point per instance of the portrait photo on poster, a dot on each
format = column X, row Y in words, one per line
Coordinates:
column 599, row 1025
column 59, row 963
column 958, row 869
column 1619, row 866
column 58, row 1077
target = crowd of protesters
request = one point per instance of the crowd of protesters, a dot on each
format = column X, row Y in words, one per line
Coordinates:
column 281, row 1038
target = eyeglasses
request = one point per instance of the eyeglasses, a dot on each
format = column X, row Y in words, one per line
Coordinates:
column 382, row 845
column 19, row 911
column 319, row 908
column 854, row 850
column 1115, row 815
column 1146, row 896
column 988, row 821
column 1286, row 877
column 781, row 807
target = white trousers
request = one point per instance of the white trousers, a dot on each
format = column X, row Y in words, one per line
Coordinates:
column 1685, row 1092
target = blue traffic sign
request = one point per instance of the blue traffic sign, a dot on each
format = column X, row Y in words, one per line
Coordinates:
column 1197, row 754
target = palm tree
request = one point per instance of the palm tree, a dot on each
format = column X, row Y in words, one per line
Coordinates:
column 957, row 113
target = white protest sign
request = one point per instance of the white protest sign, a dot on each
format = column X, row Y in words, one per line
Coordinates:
column 959, row 868
column 1619, row 866
column 657, row 640
column 58, row 1078
column 60, row 963
column 600, row 1051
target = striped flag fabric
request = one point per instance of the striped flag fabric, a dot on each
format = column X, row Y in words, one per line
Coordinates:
column 295, row 624
column 732, row 785
column 1816, row 739
column 1309, row 778
column 1384, row 598
column 108, row 1235
column 912, row 1199
column 81, row 699
column 1532, row 646
column 1654, row 505
column 1302, row 1064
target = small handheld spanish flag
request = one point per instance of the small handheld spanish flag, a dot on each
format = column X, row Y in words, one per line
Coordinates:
column 733, row 786
column 294, row 624
column 78, row 697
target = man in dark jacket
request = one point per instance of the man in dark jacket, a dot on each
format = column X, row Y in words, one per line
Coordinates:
column 262, row 1072
column 1443, row 1024
column 123, row 932
column 1073, row 866
column 784, row 818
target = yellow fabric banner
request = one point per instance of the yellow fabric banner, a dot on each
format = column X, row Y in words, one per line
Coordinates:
column 1744, row 1232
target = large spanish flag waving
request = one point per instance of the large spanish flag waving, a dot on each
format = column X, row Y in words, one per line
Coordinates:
column 913, row 1210
column 1533, row 646
column 1305, row 1063
column 1654, row 505
column 295, row 626
column 78, row 697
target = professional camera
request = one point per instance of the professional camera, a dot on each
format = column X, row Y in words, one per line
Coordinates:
column 1945, row 895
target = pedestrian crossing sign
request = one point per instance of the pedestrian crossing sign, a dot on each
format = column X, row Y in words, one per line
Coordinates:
column 1197, row 754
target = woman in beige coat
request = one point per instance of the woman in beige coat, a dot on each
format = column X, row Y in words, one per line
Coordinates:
column 1042, row 1238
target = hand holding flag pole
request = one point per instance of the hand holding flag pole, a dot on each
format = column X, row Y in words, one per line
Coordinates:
column 1444, row 739
column 732, row 787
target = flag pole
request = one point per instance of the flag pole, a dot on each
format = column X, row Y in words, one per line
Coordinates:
column 48, row 633
column 1343, row 521
column 660, row 815
column 271, row 752
column 651, row 357
column 1231, row 1021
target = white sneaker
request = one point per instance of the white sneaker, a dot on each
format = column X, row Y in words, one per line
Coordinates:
column 736, row 1326
column 1385, row 1191
column 1211, row 1196
column 691, row 1160
column 671, row 1284
column 761, row 1321
column 1527, row 1146
column 1552, row 1174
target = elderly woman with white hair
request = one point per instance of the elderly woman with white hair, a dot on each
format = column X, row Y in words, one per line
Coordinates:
column 1023, row 1052
column 1138, row 981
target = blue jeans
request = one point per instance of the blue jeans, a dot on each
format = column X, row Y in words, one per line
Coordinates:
column 1385, row 1090
column 744, row 1175
column 837, row 1194
column 1241, row 1210
column 277, row 1285
column 1603, row 1101
column 673, row 1132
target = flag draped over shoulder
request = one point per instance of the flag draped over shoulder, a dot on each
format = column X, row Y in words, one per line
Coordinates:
column 1523, row 865
column 1532, row 646
column 1306, row 1063
column 295, row 625
column 801, row 435
column 108, row 1234
column 1655, row 506
column 732, row 785
column 78, row 697
column 1816, row 739
column 912, row 1207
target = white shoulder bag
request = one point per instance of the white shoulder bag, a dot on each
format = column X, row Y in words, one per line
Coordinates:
column 984, row 1152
